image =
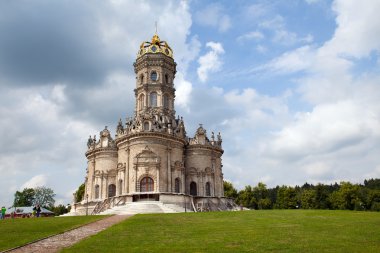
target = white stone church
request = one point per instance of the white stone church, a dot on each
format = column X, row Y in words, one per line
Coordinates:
column 151, row 158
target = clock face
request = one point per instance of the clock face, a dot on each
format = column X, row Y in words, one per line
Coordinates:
column 154, row 76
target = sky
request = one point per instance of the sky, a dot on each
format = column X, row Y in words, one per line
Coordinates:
column 293, row 86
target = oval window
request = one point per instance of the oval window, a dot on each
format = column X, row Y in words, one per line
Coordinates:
column 154, row 76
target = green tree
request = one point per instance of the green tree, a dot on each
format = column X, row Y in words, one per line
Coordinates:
column 308, row 199
column 24, row 198
column 261, row 195
column 322, row 193
column 347, row 197
column 44, row 196
column 229, row 190
column 372, row 183
column 59, row 210
column 286, row 198
column 246, row 197
column 79, row 194
column 373, row 200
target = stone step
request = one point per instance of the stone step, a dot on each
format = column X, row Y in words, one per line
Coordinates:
column 143, row 207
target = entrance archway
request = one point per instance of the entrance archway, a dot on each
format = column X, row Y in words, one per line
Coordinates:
column 111, row 190
column 193, row 188
column 146, row 184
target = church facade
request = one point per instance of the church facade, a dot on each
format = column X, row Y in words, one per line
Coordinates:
column 151, row 156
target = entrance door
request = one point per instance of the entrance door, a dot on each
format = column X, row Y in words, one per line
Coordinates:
column 111, row 190
column 193, row 188
column 146, row 184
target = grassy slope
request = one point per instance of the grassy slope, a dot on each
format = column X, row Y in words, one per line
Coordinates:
column 249, row 231
column 15, row 232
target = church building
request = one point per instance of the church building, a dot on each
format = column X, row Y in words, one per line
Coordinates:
column 151, row 157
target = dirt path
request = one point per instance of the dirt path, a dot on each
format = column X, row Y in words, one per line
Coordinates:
column 57, row 242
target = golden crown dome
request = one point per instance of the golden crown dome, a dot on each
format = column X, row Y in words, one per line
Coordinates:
column 155, row 47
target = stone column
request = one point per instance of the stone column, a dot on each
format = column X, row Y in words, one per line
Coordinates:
column 158, row 177
column 135, row 167
column 126, row 174
column 101, row 186
column 169, row 172
column 92, row 191
column 91, row 173
column 183, row 181
column 106, row 187
column 214, row 178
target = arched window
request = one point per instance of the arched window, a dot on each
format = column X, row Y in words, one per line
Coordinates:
column 120, row 186
column 166, row 101
column 146, row 126
column 193, row 188
column 208, row 189
column 111, row 190
column 141, row 102
column 153, row 99
column 154, row 76
column 146, row 184
column 177, row 185
column 96, row 191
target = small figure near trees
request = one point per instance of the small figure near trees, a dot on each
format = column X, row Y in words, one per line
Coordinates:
column 3, row 210
column 37, row 209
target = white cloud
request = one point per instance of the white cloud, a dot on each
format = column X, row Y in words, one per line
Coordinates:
column 358, row 31
column 183, row 91
column 210, row 62
column 213, row 15
column 253, row 35
column 281, row 35
column 39, row 180
column 290, row 62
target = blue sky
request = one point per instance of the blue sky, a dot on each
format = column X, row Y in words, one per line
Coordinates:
column 293, row 86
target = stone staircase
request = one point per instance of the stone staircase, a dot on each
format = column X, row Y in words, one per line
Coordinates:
column 143, row 207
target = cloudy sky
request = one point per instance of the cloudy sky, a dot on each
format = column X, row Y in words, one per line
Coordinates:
column 293, row 86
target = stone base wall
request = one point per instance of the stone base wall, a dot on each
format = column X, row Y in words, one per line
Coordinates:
column 189, row 202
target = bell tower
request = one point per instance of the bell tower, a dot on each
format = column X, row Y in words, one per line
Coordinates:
column 155, row 71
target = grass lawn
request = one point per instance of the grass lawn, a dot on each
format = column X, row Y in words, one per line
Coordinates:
column 16, row 232
column 246, row 231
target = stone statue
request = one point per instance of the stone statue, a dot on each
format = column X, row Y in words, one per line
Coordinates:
column 89, row 142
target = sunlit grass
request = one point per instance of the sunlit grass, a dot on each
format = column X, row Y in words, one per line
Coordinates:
column 16, row 232
column 246, row 231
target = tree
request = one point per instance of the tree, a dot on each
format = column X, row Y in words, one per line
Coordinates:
column 373, row 200
column 372, row 183
column 308, row 199
column 246, row 198
column 44, row 196
column 347, row 197
column 229, row 190
column 24, row 198
column 261, row 194
column 322, row 193
column 79, row 194
column 60, row 209
column 286, row 198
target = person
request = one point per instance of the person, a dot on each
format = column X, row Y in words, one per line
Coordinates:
column 38, row 210
column 3, row 210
